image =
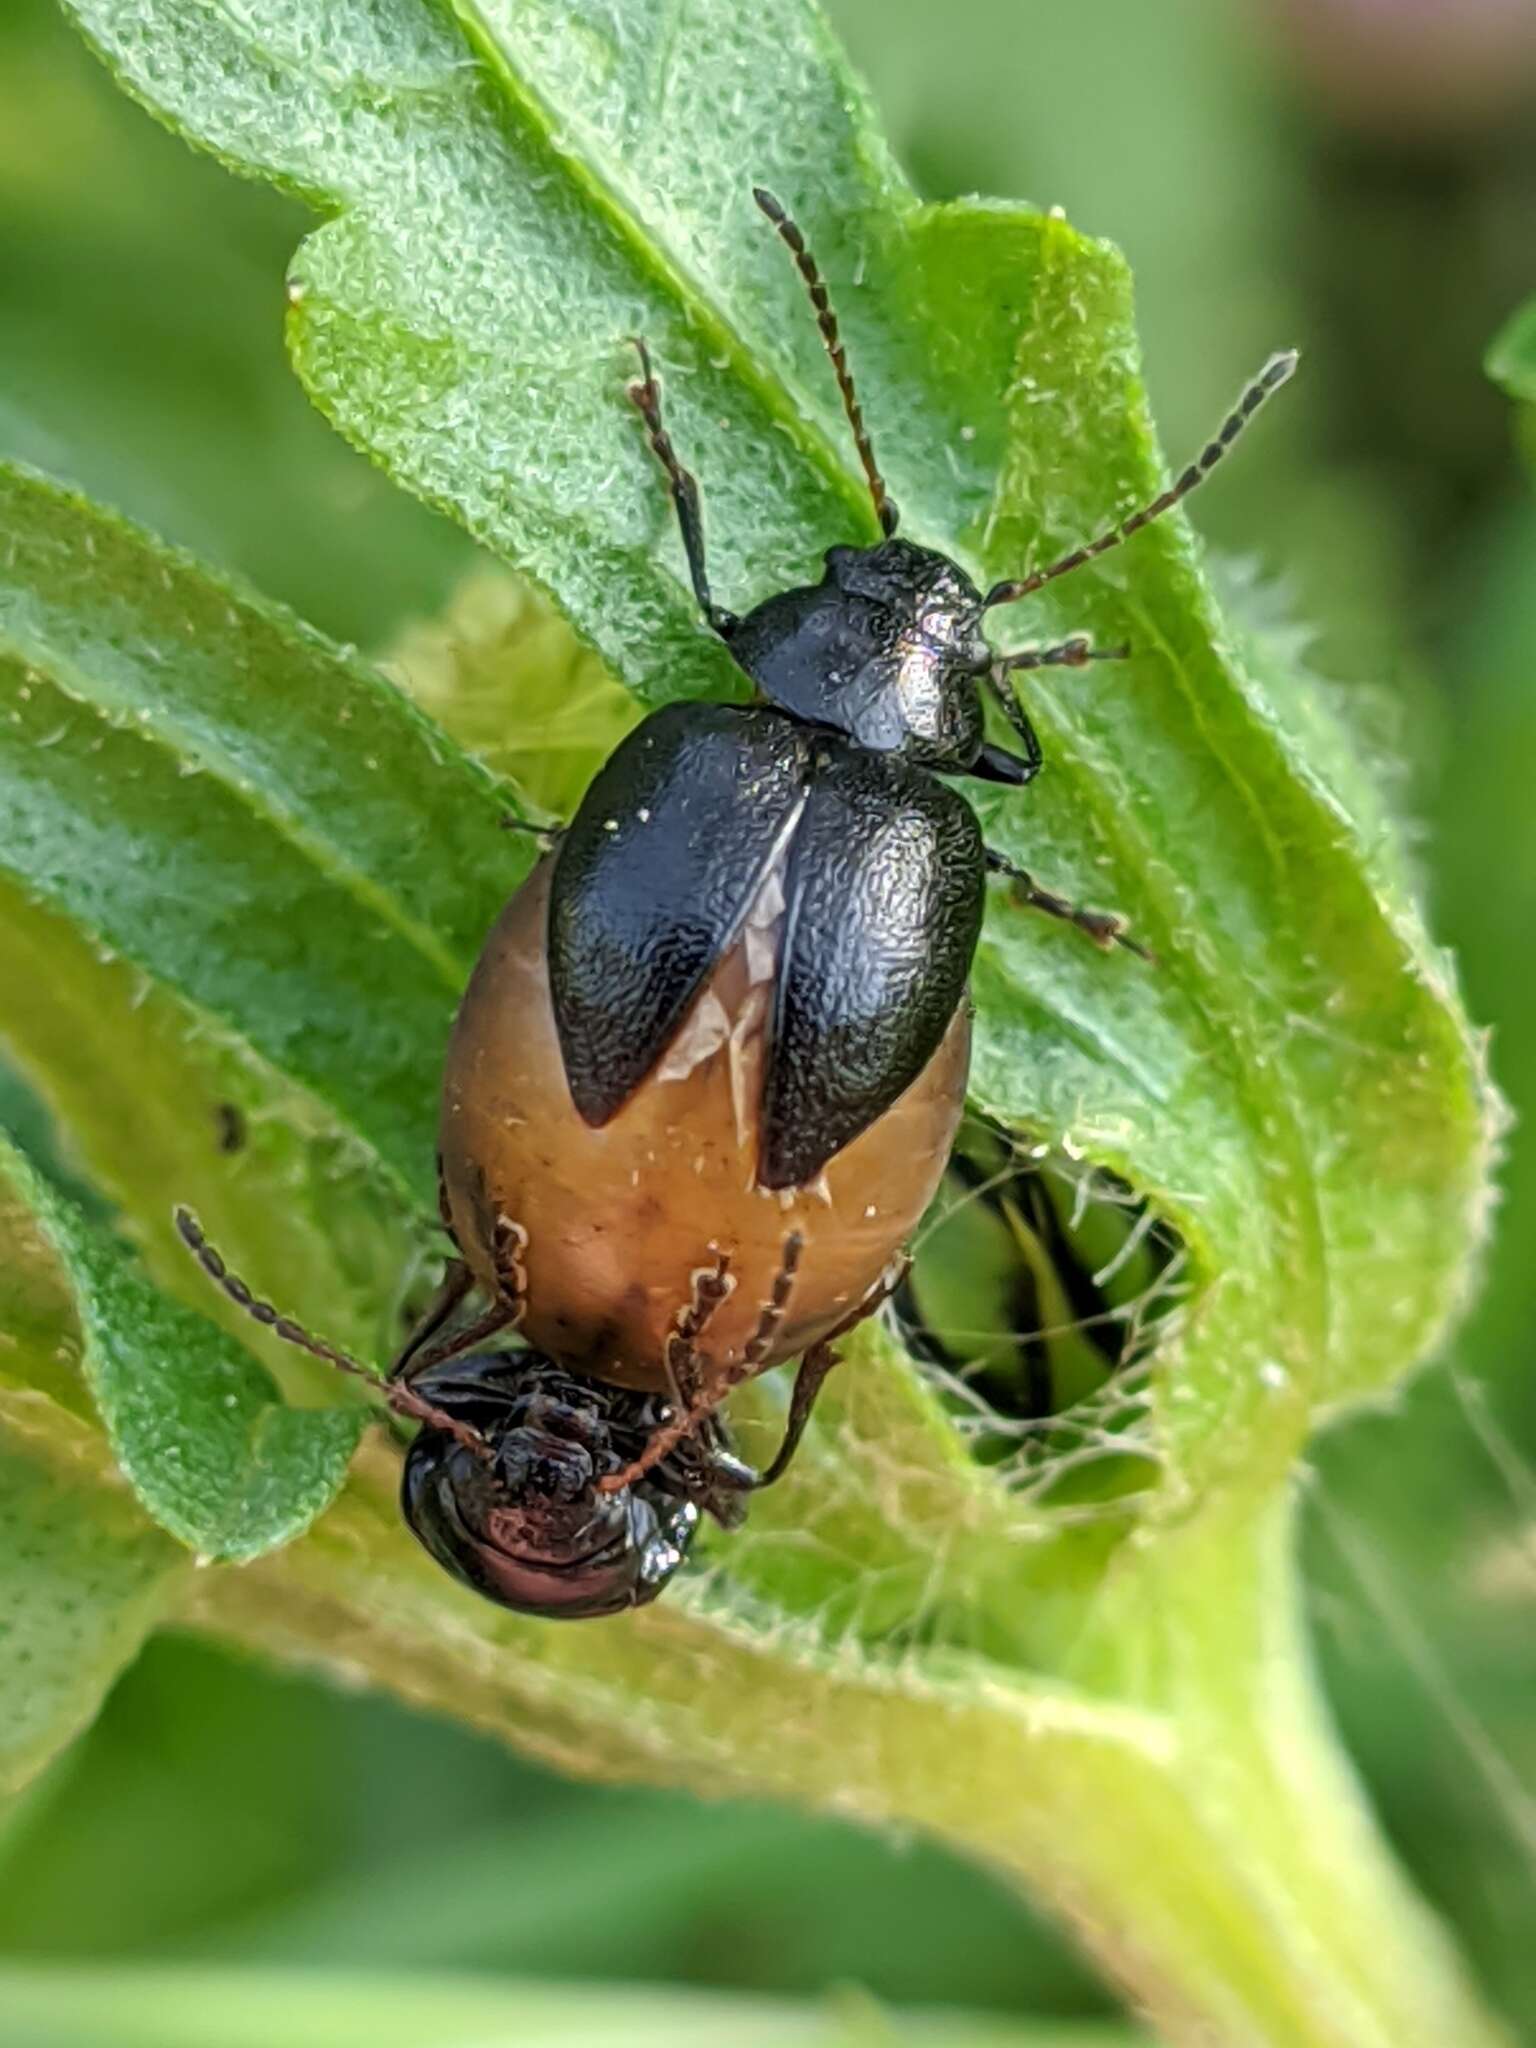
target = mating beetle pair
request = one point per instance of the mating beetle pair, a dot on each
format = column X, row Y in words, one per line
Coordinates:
column 705, row 1076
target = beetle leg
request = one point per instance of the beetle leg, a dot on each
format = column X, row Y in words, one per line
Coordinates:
column 687, row 1420
column 1105, row 927
column 645, row 396
column 547, row 837
column 812, row 1371
column 1015, row 714
column 451, row 1290
column 709, row 1472
column 819, row 1361
column 1073, row 652
column 491, row 1322
column 711, row 1286
column 996, row 764
column 509, row 1242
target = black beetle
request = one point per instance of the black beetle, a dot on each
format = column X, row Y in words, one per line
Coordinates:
column 502, row 1483
column 823, row 802
column 520, row 1517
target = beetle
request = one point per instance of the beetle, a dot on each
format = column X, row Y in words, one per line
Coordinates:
column 500, row 1484
column 732, row 1001
column 527, row 1525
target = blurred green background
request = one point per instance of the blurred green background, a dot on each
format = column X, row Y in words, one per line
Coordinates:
column 1357, row 179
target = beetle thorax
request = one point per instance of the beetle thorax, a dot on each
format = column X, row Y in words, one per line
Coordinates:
column 886, row 648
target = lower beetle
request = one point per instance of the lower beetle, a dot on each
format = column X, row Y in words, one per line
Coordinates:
column 519, row 1515
column 502, row 1483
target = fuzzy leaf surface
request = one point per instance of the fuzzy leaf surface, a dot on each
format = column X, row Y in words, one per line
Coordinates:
column 252, row 817
column 195, row 1423
column 511, row 189
column 157, row 1109
column 84, row 1577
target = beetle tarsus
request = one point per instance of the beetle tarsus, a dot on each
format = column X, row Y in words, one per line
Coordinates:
column 546, row 837
column 1106, row 928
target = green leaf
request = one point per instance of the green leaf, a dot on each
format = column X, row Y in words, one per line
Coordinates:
column 38, row 1345
column 1511, row 363
column 83, row 1579
column 567, row 188
column 210, row 788
column 194, row 1421
column 1230, row 1840
column 213, row 2008
column 1511, row 358
column 190, row 421
column 502, row 672
column 158, row 1110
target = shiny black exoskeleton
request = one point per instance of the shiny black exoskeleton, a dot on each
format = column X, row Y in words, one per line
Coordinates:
column 872, row 682
column 514, row 1512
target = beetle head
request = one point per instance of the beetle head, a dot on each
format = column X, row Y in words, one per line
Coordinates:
column 527, row 1526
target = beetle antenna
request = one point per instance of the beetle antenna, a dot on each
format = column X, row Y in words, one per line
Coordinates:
column 826, row 320
column 396, row 1393
column 1275, row 372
